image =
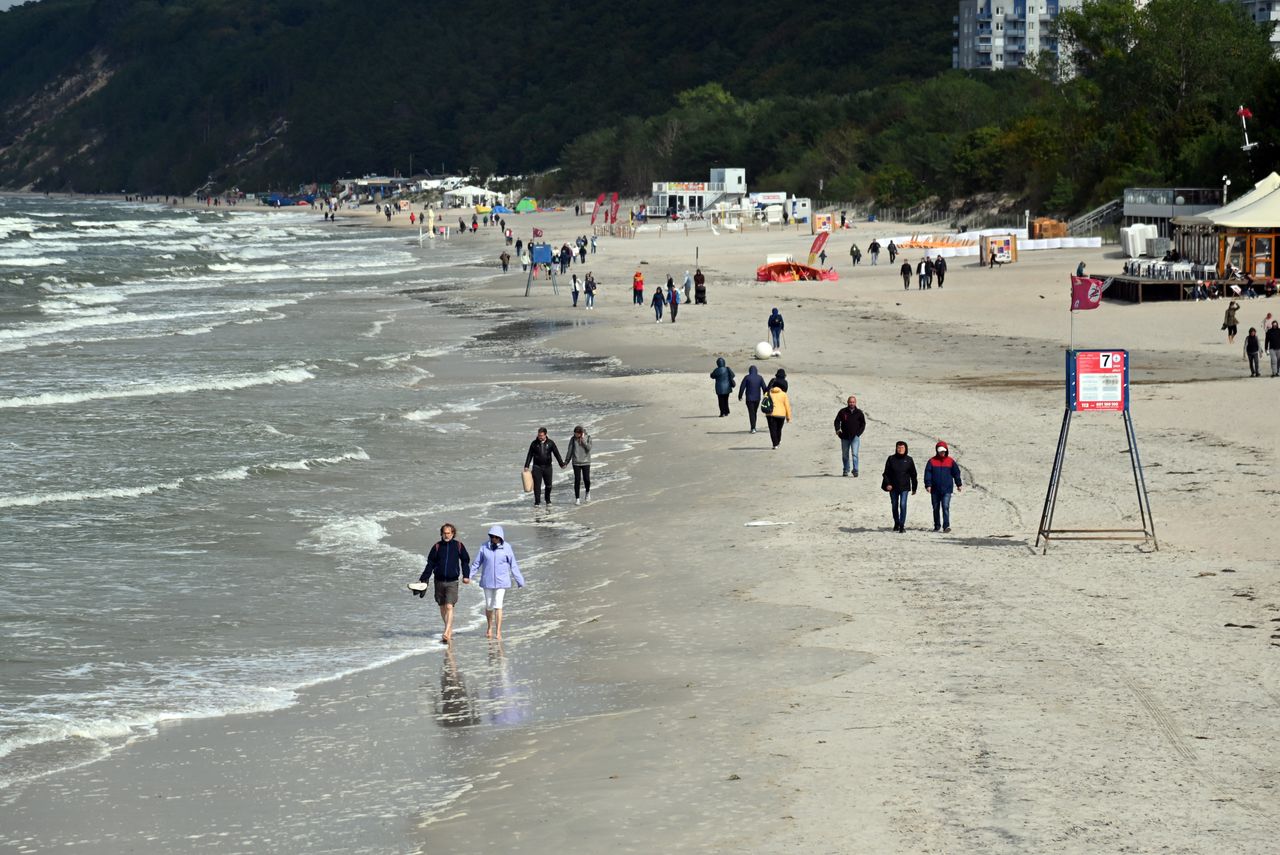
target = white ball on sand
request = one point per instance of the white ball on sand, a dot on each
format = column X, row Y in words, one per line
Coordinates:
column 764, row 350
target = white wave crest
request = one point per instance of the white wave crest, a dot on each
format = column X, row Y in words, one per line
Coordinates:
column 145, row 390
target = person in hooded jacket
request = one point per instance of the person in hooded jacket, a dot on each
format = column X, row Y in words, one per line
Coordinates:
column 658, row 301
column 699, row 287
column 898, row 479
column 775, row 328
column 723, row 375
column 752, row 389
column 781, row 412
column 494, row 568
column 688, row 287
column 580, row 457
column 941, row 473
column 447, row 561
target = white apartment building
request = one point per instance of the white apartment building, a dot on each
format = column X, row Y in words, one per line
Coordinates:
column 995, row 34
column 1266, row 12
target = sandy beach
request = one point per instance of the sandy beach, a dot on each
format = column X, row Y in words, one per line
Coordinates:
column 817, row 683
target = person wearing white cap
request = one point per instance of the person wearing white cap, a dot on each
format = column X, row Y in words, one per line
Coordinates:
column 495, row 568
column 941, row 473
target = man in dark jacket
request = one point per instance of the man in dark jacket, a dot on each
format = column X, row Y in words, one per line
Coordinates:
column 541, row 453
column 447, row 561
column 1271, row 337
column 723, row 375
column 753, row 388
column 899, row 477
column 905, row 270
column 941, row 473
column 850, row 423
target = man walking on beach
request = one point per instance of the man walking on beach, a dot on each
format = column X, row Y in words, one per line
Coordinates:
column 753, row 388
column 538, row 460
column 922, row 273
column 940, row 268
column 893, row 251
column 775, row 328
column 850, row 423
column 447, row 561
column 723, row 375
column 899, row 477
column 874, row 249
column 941, row 473
column 1271, row 336
column 905, row 270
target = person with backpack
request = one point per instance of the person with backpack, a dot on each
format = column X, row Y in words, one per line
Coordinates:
column 776, row 326
column 495, row 568
column 753, row 389
column 850, row 424
column 899, row 477
column 893, row 251
column 580, row 457
column 723, row 375
column 447, row 562
column 776, row 407
column 941, row 473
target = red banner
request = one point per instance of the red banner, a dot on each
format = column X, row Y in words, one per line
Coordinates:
column 818, row 243
column 537, row 232
column 1086, row 293
column 613, row 208
column 596, row 209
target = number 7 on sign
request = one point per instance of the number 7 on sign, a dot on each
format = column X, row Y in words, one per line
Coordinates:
column 1104, row 360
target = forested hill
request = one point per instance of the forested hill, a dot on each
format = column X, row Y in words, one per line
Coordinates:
column 161, row 95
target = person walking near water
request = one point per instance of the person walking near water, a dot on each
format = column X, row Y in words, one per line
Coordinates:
column 538, row 461
column 1251, row 348
column 776, row 325
column 898, row 479
column 753, row 389
column 941, row 473
column 447, row 561
column 505, row 258
column 658, row 302
column 723, row 375
column 495, row 568
column 580, row 457
column 776, row 407
column 1229, row 322
column 850, row 424
column 905, row 270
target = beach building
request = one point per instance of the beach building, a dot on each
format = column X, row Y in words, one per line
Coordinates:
column 1265, row 12
column 996, row 34
column 471, row 196
column 1158, row 206
column 727, row 186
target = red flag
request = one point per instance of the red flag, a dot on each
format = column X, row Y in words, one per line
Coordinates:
column 1244, row 112
column 817, row 246
column 596, row 209
column 1086, row 293
column 613, row 208
column 537, row 232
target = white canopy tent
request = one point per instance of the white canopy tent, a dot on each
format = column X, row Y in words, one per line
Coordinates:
column 1259, row 208
column 467, row 197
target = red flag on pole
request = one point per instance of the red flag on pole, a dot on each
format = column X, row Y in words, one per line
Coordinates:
column 1244, row 112
column 1086, row 293
column 613, row 208
column 596, row 209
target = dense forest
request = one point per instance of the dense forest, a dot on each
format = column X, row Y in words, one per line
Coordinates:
column 834, row 100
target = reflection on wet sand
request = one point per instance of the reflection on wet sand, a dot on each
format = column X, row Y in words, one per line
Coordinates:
column 455, row 707
column 508, row 701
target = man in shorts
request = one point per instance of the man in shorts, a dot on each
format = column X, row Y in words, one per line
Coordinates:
column 447, row 561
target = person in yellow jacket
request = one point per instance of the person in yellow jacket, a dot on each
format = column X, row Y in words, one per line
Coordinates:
column 778, row 411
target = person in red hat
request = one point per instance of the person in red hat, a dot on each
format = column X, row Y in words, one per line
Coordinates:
column 941, row 474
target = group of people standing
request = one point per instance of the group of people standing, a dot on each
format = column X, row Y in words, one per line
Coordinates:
column 669, row 296
column 927, row 269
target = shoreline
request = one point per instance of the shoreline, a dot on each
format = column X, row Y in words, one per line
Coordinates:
column 953, row 693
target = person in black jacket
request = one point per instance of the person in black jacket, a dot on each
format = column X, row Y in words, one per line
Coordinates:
column 447, row 561
column 899, row 477
column 753, row 388
column 541, row 452
column 850, row 423
column 1271, row 341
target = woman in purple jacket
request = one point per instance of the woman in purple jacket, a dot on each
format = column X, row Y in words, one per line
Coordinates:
column 494, row 568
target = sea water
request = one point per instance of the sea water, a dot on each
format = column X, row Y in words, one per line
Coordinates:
column 211, row 425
